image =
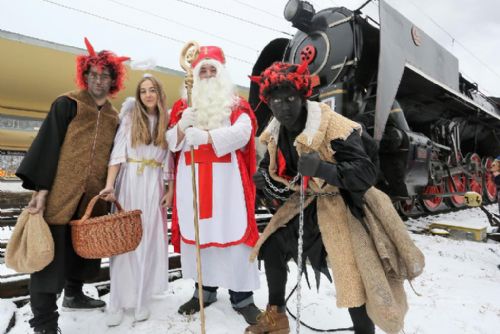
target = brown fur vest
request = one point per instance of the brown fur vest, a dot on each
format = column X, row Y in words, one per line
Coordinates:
column 367, row 268
column 83, row 161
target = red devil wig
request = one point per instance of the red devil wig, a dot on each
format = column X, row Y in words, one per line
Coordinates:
column 100, row 60
column 281, row 74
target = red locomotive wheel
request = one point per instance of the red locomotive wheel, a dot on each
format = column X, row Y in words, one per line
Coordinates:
column 460, row 181
column 432, row 204
column 476, row 179
column 405, row 207
column 490, row 189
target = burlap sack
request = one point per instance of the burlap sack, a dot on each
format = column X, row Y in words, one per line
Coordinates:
column 31, row 247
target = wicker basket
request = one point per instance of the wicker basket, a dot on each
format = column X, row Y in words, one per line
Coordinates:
column 105, row 236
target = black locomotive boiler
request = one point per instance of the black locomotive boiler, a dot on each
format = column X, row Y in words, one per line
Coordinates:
column 437, row 132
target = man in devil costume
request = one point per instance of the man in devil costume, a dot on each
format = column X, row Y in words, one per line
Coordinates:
column 65, row 167
column 347, row 221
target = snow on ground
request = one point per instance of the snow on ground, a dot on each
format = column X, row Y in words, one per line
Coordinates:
column 472, row 217
column 6, row 309
column 14, row 186
column 5, row 233
column 460, row 293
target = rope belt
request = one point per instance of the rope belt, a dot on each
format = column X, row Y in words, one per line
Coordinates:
column 143, row 163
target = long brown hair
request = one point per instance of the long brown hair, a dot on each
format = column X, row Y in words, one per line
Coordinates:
column 141, row 134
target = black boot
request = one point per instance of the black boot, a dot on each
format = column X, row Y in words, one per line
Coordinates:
column 81, row 302
column 249, row 312
column 192, row 306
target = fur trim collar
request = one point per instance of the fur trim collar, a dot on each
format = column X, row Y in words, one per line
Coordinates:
column 322, row 124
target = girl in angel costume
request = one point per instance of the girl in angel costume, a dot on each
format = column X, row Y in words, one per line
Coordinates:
column 138, row 170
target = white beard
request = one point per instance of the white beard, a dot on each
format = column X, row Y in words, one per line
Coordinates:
column 213, row 100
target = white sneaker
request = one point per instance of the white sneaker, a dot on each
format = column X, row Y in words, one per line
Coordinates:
column 114, row 318
column 142, row 314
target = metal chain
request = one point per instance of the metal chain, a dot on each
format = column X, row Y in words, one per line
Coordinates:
column 309, row 194
column 300, row 248
column 331, row 193
column 281, row 198
column 282, row 190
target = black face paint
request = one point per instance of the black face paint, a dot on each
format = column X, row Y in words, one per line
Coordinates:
column 288, row 107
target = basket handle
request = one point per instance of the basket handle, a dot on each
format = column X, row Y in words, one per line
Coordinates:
column 90, row 207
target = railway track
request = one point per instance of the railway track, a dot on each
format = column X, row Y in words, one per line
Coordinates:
column 15, row 286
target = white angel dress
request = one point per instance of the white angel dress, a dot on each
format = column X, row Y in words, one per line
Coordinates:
column 137, row 275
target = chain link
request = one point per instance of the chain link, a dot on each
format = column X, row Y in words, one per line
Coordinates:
column 331, row 193
column 276, row 192
column 276, row 189
column 274, row 195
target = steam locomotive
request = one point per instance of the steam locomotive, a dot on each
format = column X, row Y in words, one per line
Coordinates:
column 437, row 132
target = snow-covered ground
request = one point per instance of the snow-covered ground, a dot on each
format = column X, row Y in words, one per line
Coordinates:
column 460, row 293
column 14, row 186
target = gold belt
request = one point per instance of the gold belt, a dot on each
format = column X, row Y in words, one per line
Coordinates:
column 143, row 163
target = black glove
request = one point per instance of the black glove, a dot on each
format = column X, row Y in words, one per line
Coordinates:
column 308, row 164
column 259, row 180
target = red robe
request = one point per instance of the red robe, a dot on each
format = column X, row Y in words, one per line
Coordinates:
column 247, row 164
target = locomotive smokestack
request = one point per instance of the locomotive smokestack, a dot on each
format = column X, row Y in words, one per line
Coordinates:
column 300, row 13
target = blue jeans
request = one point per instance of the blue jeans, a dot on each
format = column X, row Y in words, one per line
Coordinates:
column 238, row 298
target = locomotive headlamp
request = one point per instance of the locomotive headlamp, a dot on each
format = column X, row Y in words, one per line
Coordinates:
column 300, row 13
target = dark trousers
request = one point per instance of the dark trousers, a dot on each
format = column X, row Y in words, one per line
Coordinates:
column 275, row 253
column 67, row 270
column 361, row 321
column 44, row 308
column 234, row 296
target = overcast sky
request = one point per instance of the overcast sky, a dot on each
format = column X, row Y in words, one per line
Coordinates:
column 157, row 29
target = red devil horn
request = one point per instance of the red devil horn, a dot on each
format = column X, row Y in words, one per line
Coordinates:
column 302, row 67
column 90, row 48
column 255, row 78
column 122, row 59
